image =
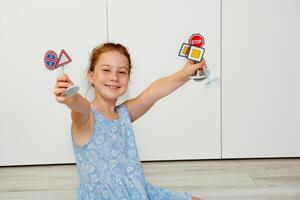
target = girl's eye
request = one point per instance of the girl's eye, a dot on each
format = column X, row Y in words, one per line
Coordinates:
column 105, row 70
column 121, row 72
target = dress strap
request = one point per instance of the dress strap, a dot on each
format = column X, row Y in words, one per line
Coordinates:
column 123, row 112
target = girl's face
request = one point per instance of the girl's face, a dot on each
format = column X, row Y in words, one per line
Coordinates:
column 110, row 76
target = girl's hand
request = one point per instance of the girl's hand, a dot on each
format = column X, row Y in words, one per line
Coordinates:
column 62, row 83
column 191, row 67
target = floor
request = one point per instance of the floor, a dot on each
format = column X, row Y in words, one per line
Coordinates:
column 252, row 179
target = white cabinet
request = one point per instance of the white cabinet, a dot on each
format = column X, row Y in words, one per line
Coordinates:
column 34, row 128
column 185, row 124
column 255, row 113
column 261, row 84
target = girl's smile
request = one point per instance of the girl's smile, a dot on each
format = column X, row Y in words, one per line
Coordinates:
column 111, row 74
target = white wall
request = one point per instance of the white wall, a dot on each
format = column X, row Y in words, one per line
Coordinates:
column 259, row 97
column 34, row 128
column 261, row 84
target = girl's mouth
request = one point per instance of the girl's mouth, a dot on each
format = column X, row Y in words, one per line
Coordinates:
column 112, row 86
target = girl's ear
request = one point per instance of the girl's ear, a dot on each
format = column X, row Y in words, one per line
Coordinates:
column 91, row 75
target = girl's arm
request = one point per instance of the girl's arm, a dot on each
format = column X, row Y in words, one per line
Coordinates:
column 80, row 107
column 161, row 88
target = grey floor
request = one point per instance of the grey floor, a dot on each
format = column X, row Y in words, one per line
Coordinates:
column 254, row 179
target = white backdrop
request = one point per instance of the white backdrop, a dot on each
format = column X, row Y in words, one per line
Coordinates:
column 34, row 128
column 260, row 108
column 261, row 83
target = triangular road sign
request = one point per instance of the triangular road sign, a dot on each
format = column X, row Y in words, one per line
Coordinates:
column 63, row 59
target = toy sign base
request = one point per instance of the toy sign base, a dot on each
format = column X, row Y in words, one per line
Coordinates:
column 199, row 75
column 198, row 78
column 71, row 91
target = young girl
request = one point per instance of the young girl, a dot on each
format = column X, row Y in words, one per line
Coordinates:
column 104, row 145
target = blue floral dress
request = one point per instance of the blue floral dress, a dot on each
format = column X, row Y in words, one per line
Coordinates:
column 109, row 166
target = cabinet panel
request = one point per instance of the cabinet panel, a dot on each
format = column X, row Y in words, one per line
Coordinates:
column 35, row 129
column 261, row 84
column 185, row 124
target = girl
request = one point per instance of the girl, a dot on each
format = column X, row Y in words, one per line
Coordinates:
column 104, row 145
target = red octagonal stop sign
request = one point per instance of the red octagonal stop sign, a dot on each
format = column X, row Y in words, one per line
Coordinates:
column 196, row 40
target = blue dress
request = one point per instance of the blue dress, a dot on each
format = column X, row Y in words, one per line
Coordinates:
column 109, row 166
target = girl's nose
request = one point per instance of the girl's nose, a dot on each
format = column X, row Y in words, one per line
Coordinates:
column 113, row 76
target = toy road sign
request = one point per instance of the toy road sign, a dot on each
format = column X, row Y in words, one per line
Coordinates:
column 196, row 40
column 50, row 60
column 63, row 59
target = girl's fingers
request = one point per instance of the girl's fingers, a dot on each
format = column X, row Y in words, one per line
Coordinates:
column 190, row 62
column 63, row 85
column 59, row 91
column 63, row 82
column 64, row 78
column 202, row 64
column 60, row 99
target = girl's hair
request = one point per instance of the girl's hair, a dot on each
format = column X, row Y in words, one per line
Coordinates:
column 107, row 47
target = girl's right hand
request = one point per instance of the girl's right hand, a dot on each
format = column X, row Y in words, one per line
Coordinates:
column 62, row 83
column 191, row 67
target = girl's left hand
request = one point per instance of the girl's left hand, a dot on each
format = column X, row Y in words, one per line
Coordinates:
column 191, row 67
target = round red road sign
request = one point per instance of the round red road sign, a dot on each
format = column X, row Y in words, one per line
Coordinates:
column 196, row 40
column 50, row 60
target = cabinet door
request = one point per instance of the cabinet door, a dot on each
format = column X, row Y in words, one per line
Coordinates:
column 261, row 83
column 185, row 124
column 35, row 129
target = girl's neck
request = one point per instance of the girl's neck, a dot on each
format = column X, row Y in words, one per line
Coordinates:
column 107, row 108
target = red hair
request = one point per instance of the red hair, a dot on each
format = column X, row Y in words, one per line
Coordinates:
column 107, row 47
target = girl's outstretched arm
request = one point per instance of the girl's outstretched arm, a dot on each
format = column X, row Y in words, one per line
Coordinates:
column 161, row 88
column 80, row 107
